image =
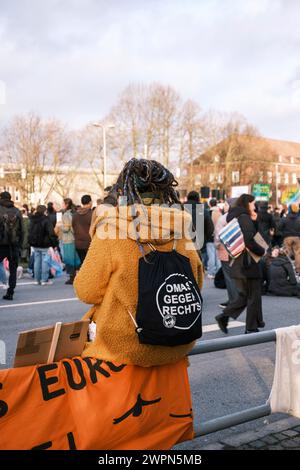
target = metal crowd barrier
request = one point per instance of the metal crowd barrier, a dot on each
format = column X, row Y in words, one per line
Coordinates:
column 221, row 344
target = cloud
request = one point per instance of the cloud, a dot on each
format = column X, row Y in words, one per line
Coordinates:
column 71, row 59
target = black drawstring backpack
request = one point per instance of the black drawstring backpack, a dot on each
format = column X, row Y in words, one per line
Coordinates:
column 169, row 304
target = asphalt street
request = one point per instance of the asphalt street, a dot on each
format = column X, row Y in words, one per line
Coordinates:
column 221, row 383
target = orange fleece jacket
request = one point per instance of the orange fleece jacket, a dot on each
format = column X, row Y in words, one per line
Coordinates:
column 108, row 279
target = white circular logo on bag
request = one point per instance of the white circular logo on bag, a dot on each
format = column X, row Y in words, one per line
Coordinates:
column 169, row 321
column 178, row 302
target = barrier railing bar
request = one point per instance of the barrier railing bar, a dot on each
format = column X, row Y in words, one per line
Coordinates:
column 232, row 420
column 232, row 342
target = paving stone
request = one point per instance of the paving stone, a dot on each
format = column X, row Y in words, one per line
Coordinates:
column 296, row 439
column 290, row 444
column 237, row 440
column 279, row 436
column 240, row 439
column 283, row 424
column 290, row 433
column 270, row 440
column 213, row 446
column 278, row 447
column 257, row 444
column 297, row 429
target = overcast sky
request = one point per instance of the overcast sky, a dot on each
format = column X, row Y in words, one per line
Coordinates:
column 71, row 59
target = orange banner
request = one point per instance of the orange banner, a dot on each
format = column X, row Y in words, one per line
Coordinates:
column 85, row 403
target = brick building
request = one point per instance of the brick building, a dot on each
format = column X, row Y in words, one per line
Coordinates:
column 246, row 160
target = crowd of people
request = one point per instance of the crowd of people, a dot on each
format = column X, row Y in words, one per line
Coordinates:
column 273, row 269
column 43, row 241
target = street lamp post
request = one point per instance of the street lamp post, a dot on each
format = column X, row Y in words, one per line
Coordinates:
column 104, row 130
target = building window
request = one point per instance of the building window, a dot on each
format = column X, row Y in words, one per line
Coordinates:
column 198, row 179
column 235, row 176
column 220, row 178
column 217, row 158
column 261, row 177
column 294, row 178
column 270, row 177
column 17, row 196
column 211, row 177
column 286, row 178
column 280, row 158
column 278, row 178
column 292, row 160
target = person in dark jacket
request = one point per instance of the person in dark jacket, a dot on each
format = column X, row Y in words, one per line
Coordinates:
column 51, row 213
column 81, row 223
column 290, row 228
column 11, row 239
column 266, row 223
column 208, row 234
column 192, row 205
column 277, row 238
column 282, row 278
column 245, row 271
column 41, row 238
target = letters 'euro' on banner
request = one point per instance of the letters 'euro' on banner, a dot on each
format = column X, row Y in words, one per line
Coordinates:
column 86, row 404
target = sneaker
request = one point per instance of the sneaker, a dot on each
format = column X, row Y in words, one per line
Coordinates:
column 37, row 283
column 210, row 276
column 8, row 297
column 223, row 305
column 222, row 322
column 46, row 283
column 19, row 272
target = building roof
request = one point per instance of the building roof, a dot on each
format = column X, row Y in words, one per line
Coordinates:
column 277, row 147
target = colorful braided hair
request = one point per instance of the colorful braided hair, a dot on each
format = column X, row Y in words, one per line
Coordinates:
column 140, row 176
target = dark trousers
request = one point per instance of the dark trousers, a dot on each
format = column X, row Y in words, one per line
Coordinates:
column 249, row 297
column 230, row 283
column 82, row 254
column 12, row 254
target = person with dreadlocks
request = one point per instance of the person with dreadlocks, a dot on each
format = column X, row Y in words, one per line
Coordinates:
column 142, row 220
column 108, row 278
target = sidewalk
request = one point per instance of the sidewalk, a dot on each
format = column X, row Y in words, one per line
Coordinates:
column 280, row 435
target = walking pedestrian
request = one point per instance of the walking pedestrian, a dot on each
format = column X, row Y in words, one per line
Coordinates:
column 245, row 271
column 11, row 239
column 51, row 213
column 41, row 238
column 70, row 256
column 81, row 224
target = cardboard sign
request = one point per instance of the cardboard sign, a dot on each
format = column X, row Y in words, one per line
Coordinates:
column 85, row 403
column 51, row 343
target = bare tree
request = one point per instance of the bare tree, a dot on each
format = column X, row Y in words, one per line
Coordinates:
column 39, row 147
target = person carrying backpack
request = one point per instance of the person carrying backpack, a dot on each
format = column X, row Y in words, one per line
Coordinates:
column 41, row 237
column 143, row 282
column 11, row 239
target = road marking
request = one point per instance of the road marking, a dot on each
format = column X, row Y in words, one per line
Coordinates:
column 30, row 283
column 215, row 327
column 39, row 303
